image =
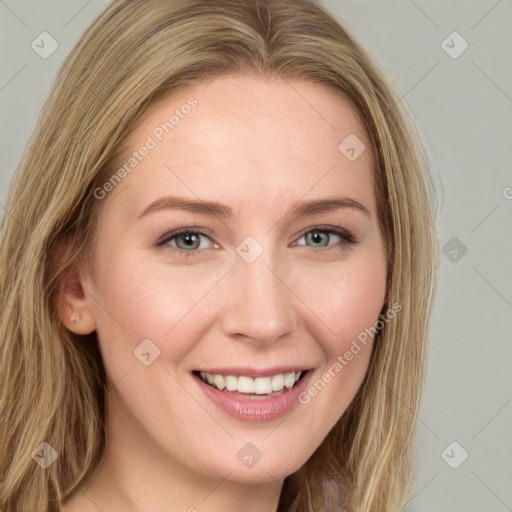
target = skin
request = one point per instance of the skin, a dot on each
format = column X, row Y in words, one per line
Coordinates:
column 257, row 146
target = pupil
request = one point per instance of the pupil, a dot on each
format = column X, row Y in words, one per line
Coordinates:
column 189, row 239
column 316, row 237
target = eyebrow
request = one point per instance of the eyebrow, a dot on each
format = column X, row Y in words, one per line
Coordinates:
column 220, row 210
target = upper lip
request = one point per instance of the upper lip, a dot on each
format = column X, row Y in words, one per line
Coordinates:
column 253, row 372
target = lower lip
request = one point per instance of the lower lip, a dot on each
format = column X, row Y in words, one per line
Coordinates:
column 256, row 410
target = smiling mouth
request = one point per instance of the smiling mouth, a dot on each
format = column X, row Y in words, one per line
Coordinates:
column 269, row 386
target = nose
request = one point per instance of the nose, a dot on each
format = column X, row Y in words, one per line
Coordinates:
column 259, row 306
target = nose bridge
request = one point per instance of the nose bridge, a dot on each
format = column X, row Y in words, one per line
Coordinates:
column 260, row 305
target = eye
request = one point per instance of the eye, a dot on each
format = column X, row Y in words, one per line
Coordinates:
column 320, row 237
column 186, row 241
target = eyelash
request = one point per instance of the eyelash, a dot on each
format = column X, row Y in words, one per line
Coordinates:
column 343, row 233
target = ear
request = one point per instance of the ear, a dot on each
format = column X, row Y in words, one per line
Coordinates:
column 73, row 305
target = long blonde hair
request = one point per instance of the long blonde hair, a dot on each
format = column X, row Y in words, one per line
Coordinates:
column 52, row 382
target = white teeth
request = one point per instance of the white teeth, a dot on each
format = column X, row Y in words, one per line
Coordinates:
column 218, row 380
column 245, row 385
column 289, row 380
column 231, row 383
column 263, row 385
column 248, row 385
column 278, row 382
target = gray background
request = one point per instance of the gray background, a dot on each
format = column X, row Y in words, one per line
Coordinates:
column 463, row 107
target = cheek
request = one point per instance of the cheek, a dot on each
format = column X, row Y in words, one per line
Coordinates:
column 346, row 304
column 345, row 299
column 138, row 301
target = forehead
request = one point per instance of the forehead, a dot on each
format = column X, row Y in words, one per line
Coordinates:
column 236, row 134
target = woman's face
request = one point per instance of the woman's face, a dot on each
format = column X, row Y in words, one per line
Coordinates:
column 278, row 268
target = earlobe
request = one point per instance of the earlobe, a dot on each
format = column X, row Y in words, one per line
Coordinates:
column 73, row 306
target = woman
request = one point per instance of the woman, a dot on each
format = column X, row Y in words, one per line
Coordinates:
column 216, row 271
